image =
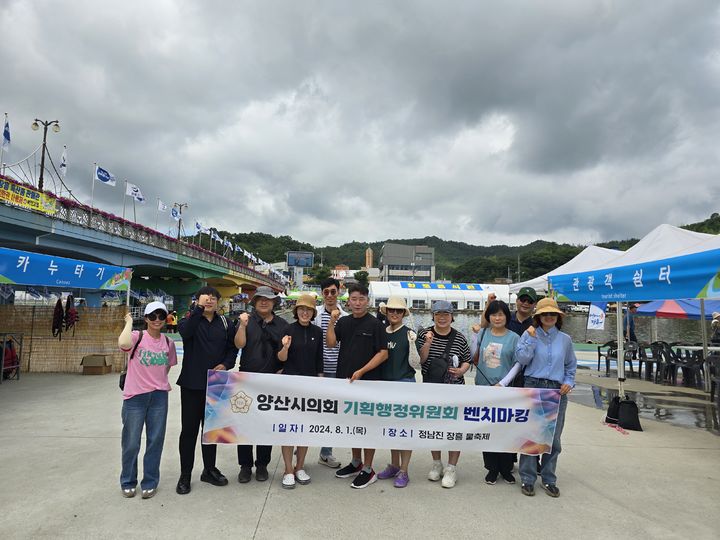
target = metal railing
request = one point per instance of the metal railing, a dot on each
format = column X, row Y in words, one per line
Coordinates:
column 85, row 216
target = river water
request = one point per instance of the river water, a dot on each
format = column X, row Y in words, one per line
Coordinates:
column 575, row 324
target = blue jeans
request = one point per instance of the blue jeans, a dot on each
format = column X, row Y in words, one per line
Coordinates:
column 149, row 410
column 528, row 464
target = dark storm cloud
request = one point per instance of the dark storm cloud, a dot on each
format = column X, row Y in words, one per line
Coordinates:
column 334, row 122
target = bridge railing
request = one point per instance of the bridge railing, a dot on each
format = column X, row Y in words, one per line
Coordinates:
column 85, row 216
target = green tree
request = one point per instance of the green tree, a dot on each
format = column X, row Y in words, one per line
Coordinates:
column 362, row 277
column 320, row 273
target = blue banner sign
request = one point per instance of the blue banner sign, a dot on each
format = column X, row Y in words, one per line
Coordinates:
column 27, row 268
column 688, row 276
column 441, row 286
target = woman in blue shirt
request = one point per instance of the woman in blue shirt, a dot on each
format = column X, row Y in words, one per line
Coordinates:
column 495, row 356
column 549, row 360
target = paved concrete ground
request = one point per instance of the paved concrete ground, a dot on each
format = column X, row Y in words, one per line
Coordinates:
column 60, row 461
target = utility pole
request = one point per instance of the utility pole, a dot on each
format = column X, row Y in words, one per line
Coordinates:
column 518, row 270
column 180, row 207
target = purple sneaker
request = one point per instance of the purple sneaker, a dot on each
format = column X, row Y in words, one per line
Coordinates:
column 401, row 480
column 390, row 471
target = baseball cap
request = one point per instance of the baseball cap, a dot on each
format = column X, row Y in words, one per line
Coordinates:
column 154, row 306
column 527, row 291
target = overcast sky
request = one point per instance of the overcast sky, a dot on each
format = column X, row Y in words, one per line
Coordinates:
column 573, row 121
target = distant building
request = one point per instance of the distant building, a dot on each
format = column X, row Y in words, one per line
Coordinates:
column 347, row 276
column 368, row 258
column 399, row 262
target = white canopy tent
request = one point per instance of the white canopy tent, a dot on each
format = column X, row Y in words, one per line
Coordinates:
column 589, row 257
column 380, row 291
column 668, row 263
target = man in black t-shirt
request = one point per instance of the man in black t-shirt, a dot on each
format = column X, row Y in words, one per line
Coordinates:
column 363, row 349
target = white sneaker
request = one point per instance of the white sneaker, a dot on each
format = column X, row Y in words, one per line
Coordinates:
column 436, row 472
column 302, row 477
column 329, row 461
column 288, row 481
column 449, row 477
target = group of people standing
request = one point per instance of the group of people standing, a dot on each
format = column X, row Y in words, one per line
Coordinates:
column 325, row 341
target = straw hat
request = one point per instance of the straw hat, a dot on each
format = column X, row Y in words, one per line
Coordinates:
column 307, row 300
column 548, row 305
column 394, row 302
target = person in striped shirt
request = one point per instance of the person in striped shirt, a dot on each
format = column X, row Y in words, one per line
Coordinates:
column 330, row 291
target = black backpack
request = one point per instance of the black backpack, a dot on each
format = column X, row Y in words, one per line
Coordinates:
column 437, row 371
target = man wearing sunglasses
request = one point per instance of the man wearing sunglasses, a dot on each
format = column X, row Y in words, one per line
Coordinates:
column 330, row 291
column 208, row 344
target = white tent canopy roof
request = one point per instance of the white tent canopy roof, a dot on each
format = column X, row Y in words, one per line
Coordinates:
column 591, row 256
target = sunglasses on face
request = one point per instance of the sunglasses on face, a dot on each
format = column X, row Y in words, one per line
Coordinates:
column 330, row 292
column 548, row 314
column 526, row 300
column 155, row 315
column 395, row 310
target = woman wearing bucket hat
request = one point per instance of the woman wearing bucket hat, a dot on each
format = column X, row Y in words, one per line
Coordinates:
column 550, row 362
column 301, row 354
column 397, row 368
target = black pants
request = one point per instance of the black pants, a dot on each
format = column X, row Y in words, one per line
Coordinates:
column 192, row 417
column 500, row 462
column 245, row 455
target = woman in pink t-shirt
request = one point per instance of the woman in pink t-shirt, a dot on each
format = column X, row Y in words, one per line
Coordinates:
column 145, row 398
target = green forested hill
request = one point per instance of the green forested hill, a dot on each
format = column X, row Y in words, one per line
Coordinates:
column 454, row 260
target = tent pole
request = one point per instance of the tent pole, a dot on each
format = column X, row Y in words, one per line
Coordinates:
column 703, row 330
column 620, row 349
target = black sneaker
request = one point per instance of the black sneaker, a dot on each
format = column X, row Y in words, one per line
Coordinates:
column 364, row 479
column 508, row 477
column 348, row 470
column 183, row 485
column 214, row 477
column 528, row 490
column 552, row 490
column 491, row 477
column 245, row 474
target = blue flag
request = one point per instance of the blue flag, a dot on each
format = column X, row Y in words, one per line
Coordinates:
column 104, row 177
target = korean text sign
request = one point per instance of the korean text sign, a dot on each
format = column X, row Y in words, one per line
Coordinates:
column 26, row 197
column 28, row 268
column 275, row 409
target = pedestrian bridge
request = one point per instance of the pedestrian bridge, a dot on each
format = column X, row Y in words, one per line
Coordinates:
column 67, row 229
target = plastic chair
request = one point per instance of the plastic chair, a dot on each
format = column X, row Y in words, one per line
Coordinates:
column 671, row 362
column 648, row 360
column 608, row 351
column 714, row 364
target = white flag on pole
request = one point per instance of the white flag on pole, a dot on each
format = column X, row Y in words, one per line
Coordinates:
column 63, row 162
column 133, row 191
column 162, row 207
column 175, row 214
column 6, row 134
column 104, row 177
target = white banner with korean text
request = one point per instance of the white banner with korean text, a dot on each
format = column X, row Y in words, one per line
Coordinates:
column 272, row 409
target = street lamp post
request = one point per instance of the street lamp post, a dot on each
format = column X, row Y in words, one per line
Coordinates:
column 56, row 128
